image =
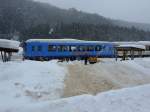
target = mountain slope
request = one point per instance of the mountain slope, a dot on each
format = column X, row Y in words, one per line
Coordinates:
column 34, row 18
column 140, row 26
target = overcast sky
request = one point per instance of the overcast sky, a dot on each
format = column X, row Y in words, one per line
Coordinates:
column 130, row 10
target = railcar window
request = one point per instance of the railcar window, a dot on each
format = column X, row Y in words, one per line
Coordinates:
column 73, row 48
column 98, row 48
column 52, row 48
column 39, row 48
column 65, row 48
column 82, row 48
column 33, row 48
column 90, row 48
column 103, row 47
column 59, row 48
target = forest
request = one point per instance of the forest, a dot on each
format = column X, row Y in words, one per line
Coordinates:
column 30, row 19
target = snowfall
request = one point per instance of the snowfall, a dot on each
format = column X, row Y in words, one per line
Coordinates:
column 32, row 86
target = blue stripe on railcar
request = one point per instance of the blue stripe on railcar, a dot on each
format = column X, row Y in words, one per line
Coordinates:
column 106, row 51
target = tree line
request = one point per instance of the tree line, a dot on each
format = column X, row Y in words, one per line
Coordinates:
column 30, row 19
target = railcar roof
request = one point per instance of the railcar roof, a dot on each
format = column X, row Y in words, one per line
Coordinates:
column 54, row 40
column 64, row 41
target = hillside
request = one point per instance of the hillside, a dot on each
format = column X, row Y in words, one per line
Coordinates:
column 140, row 26
column 28, row 18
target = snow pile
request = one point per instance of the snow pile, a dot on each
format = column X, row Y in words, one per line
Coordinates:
column 125, row 100
column 4, row 43
column 29, row 82
column 32, row 86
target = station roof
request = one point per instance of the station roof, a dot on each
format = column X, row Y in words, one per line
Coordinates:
column 131, row 46
column 144, row 42
column 9, row 44
column 125, row 42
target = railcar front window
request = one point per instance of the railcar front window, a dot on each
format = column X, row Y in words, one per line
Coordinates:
column 33, row 48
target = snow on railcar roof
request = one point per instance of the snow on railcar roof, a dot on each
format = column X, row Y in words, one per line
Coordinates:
column 132, row 45
column 65, row 40
column 4, row 43
column 55, row 40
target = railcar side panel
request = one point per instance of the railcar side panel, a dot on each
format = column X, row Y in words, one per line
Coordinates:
column 42, row 49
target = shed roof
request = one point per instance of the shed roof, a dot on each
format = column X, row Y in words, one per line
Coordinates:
column 131, row 46
column 9, row 44
column 144, row 42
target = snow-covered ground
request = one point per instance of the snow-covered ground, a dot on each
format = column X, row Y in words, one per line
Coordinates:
column 125, row 100
column 106, row 75
column 29, row 82
column 31, row 86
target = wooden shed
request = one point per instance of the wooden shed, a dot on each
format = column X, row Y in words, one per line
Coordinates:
column 7, row 47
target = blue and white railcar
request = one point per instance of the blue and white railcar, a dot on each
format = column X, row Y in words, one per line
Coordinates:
column 47, row 49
